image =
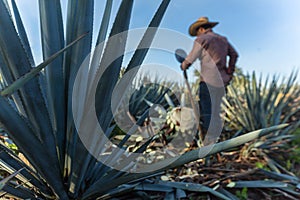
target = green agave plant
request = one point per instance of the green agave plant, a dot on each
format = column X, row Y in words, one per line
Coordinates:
column 253, row 104
column 36, row 104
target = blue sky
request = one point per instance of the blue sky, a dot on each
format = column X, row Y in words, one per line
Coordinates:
column 264, row 32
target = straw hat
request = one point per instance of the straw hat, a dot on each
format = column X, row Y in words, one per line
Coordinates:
column 200, row 22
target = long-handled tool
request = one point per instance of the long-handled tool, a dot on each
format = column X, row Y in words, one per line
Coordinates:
column 180, row 56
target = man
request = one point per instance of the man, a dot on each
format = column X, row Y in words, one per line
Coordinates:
column 212, row 50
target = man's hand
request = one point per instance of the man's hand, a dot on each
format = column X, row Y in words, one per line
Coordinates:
column 230, row 70
column 185, row 65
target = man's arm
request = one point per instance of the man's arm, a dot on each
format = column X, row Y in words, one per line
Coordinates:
column 233, row 55
column 193, row 55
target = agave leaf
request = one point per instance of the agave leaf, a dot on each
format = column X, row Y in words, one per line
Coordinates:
column 269, row 92
column 254, row 86
column 170, row 196
column 19, row 192
column 79, row 21
column 98, row 170
column 190, row 156
column 280, row 177
column 11, row 161
column 136, row 60
column 228, row 194
column 33, row 72
column 241, row 116
column 118, row 192
column 260, row 106
column 194, row 187
column 140, row 54
column 158, row 187
column 52, row 36
column 282, row 100
column 280, row 137
column 144, row 45
column 18, row 64
column 6, row 76
column 180, row 194
column 104, row 90
column 257, row 184
column 31, row 94
column 6, row 79
column 8, row 178
column 292, row 190
column 100, row 40
column 250, row 97
column 110, row 65
column 121, row 24
column 272, row 103
column 18, row 177
column 282, row 168
column 105, row 22
column 22, row 32
column 24, row 136
column 264, row 90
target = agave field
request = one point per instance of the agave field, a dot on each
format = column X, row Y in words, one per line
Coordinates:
column 50, row 147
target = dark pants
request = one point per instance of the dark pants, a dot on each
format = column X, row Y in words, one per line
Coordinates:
column 210, row 109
